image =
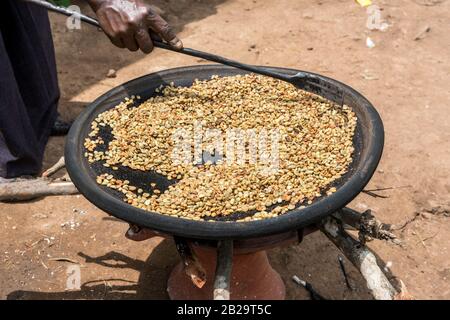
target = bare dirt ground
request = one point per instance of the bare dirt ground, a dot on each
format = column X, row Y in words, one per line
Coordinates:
column 406, row 79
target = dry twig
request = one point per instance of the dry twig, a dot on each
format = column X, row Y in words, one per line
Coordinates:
column 363, row 259
column 368, row 226
column 63, row 259
column 312, row 292
column 222, row 282
column 55, row 168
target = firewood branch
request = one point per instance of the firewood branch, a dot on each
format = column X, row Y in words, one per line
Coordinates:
column 224, row 265
column 55, row 168
column 192, row 267
column 28, row 189
column 363, row 259
column 368, row 226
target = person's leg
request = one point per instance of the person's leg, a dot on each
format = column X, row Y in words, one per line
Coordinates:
column 28, row 85
column 5, row 156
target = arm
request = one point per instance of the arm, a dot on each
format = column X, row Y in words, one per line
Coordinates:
column 128, row 23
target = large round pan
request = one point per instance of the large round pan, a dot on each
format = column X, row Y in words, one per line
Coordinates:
column 368, row 143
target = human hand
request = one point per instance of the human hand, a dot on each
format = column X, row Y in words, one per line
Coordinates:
column 128, row 23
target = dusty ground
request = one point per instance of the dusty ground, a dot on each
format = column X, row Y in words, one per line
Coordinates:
column 406, row 79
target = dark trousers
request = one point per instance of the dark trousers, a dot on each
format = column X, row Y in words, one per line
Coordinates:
column 28, row 85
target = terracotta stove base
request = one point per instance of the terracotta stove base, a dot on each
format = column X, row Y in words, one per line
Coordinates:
column 252, row 278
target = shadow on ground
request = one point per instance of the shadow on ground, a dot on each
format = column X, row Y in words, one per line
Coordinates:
column 314, row 261
column 151, row 284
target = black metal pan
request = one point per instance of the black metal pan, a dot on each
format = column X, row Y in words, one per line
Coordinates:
column 368, row 143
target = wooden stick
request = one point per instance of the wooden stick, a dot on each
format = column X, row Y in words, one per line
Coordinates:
column 308, row 286
column 363, row 259
column 388, row 188
column 192, row 267
column 344, row 272
column 22, row 190
column 368, row 226
column 375, row 195
column 55, row 168
column 223, row 270
column 63, row 259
